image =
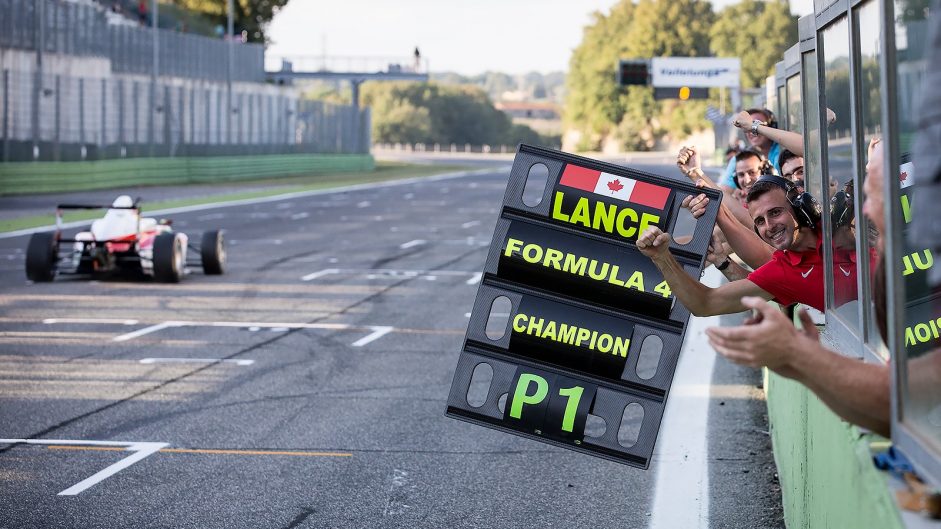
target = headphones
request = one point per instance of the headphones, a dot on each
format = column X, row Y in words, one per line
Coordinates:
column 841, row 207
column 806, row 207
column 766, row 167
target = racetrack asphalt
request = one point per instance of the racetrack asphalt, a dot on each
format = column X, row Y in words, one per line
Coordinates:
column 306, row 387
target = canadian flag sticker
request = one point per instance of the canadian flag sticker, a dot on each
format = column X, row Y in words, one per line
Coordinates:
column 906, row 174
column 614, row 186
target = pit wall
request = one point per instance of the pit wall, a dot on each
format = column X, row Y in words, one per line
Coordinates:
column 825, row 464
column 44, row 177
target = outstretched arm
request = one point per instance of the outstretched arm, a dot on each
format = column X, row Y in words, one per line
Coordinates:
column 853, row 389
column 743, row 240
column 698, row 298
column 791, row 141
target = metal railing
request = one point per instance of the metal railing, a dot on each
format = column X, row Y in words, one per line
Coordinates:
column 84, row 118
column 83, row 30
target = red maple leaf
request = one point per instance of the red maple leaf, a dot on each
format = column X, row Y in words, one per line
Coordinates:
column 904, row 176
column 615, row 185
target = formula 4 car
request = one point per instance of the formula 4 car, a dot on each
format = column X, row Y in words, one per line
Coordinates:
column 121, row 242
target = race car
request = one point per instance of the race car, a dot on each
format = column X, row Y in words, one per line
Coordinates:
column 121, row 242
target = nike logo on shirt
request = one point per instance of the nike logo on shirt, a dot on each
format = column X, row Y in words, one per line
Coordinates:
column 847, row 274
column 807, row 273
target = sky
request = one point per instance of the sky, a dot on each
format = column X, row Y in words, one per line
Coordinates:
column 463, row 36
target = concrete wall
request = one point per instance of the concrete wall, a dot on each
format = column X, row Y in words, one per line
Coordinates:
column 824, row 464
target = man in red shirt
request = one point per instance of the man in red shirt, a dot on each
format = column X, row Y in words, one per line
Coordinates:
column 794, row 273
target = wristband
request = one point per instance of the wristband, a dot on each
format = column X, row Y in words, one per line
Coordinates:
column 724, row 264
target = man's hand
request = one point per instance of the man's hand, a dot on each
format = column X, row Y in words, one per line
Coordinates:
column 719, row 249
column 767, row 339
column 696, row 204
column 654, row 243
column 742, row 120
column 687, row 160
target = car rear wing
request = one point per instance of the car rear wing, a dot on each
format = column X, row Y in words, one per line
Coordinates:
column 61, row 207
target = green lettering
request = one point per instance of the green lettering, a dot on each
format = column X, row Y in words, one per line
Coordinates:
column 620, row 347
column 573, row 396
column 575, row 265
column 532, row 253
column 636, row 281
column 549, row 331
column 521, row 396
column 594, row 273
column 604, row 217
column 567, row 333
column 557, row 208
column 581, row 215
column 553, row 259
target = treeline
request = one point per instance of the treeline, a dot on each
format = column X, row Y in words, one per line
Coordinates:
column 405, row 112
column 600, row 111
column 537, row 86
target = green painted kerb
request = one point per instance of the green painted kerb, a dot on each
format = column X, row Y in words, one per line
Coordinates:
column 824, row 464
column 44, row 177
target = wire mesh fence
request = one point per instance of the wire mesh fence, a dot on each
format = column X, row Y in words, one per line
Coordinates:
column 62, row 117
column 84, row 30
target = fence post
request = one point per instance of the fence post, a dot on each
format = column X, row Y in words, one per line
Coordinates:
column 6, row 115
column 58, row 118
column 81, row 116
column 167, row 120
column 122, row 139
column 136, row 115
column 104, row 121
column 192, row 139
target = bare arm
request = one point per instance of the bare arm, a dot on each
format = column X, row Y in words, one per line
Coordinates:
column 698, row 298
column 855, row 390
column 743, row 240
column 791, row 141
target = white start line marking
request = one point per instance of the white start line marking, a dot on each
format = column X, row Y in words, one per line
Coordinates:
column 376, row 331
column 374, row 273
column 196, row 361
column 140, row 449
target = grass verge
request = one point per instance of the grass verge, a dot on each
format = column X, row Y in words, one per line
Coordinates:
column 384, row 171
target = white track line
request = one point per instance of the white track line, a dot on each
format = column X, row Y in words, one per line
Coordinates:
column 681, row 496
column 321, row 273
column 140, row 449
column 146, row 330
column 276, row 198
column 196, row 360
column 470, row 224
column 475, row 278
column 410, row 244
column 49, row 321
column 378, row 332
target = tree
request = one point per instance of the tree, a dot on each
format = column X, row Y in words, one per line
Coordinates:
column 651, row 28
column 406, row 112
column 251, row 16
column 757, row 31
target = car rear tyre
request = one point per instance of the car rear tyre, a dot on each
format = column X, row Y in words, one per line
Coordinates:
column 168, row 258
column 212, row 252
column 42, row 257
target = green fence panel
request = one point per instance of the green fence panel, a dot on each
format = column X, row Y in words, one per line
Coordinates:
column 46, row 177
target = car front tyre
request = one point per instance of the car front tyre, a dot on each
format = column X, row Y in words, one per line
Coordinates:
column 212, row 252
column 168, row 258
